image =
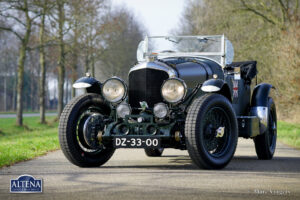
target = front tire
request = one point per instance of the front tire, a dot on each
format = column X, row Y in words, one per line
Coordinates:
column 265, row 144
column 211, row 131
column 77, row 149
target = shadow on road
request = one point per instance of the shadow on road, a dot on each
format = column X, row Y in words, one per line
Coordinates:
column 238, row 163
column 277, row 164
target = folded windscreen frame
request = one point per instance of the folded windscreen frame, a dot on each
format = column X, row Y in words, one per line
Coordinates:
column 216, row 48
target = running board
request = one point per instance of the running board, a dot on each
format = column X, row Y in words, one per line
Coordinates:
column 248, row 126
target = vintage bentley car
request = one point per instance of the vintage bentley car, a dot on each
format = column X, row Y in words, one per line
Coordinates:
column 185, row 93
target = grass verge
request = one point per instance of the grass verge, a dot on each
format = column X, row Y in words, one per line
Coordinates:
column 23, row 143
column 289, row 134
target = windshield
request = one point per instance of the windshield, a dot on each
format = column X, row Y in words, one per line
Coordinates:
column 211, row 47
column 187, row 44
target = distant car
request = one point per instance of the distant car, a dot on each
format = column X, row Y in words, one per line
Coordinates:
column 185, row 93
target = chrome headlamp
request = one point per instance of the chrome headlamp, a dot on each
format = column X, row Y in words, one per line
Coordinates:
column 173, row 90
column 114, row 90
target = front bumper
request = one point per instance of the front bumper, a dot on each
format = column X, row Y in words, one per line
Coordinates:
column 147, row 128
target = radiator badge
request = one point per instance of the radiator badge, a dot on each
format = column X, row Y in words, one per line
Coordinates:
column 144, row 105
column 26, row 184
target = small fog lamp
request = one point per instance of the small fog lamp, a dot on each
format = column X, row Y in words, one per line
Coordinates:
column 160, row 110
column 123, row 109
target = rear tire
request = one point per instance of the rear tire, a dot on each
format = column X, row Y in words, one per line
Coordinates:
column 208, row 147
column 265, row 144
column 154, row 152
column 71, row 139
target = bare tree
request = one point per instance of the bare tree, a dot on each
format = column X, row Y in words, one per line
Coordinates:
column 118, row 41
column 93, row 20
column 61, row 58
column 11, row 10
column 42, row 65
column 76, row 12
column 279, row 13
column 8, row 68
column 80, row 35
column 45, row 6
column 262, row 30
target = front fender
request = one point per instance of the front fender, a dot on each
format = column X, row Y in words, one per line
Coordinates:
column 89, row 83
column 259, row 104
column 260, row 95
column 217, row 86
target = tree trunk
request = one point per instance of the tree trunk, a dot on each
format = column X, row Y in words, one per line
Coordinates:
column 93, row 66
column 14, row 92
column 43, row 70
column 5, row 95
column 74, row 78
column 32, row 91
column 75, row 57
column 86, row 70
column 22, row 55
column 61, row 60
column 21, row 62
column 61, row 74
column 66, row 88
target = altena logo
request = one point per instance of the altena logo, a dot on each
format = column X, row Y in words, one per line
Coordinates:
column 26, row 184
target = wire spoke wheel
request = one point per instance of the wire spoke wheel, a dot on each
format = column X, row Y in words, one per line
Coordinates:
column 211, row 131
column 79, row 125
column 87, row 123
column 272, row 128
column 215, row 119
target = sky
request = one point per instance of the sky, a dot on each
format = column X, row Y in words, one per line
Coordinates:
column 158, row 16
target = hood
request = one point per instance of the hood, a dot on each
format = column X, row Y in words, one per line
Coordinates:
column 157, row 65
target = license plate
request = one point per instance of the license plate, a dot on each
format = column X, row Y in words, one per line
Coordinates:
column 136, row 142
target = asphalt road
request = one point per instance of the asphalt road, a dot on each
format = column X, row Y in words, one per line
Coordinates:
column 26, row 115
column 132, row 175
